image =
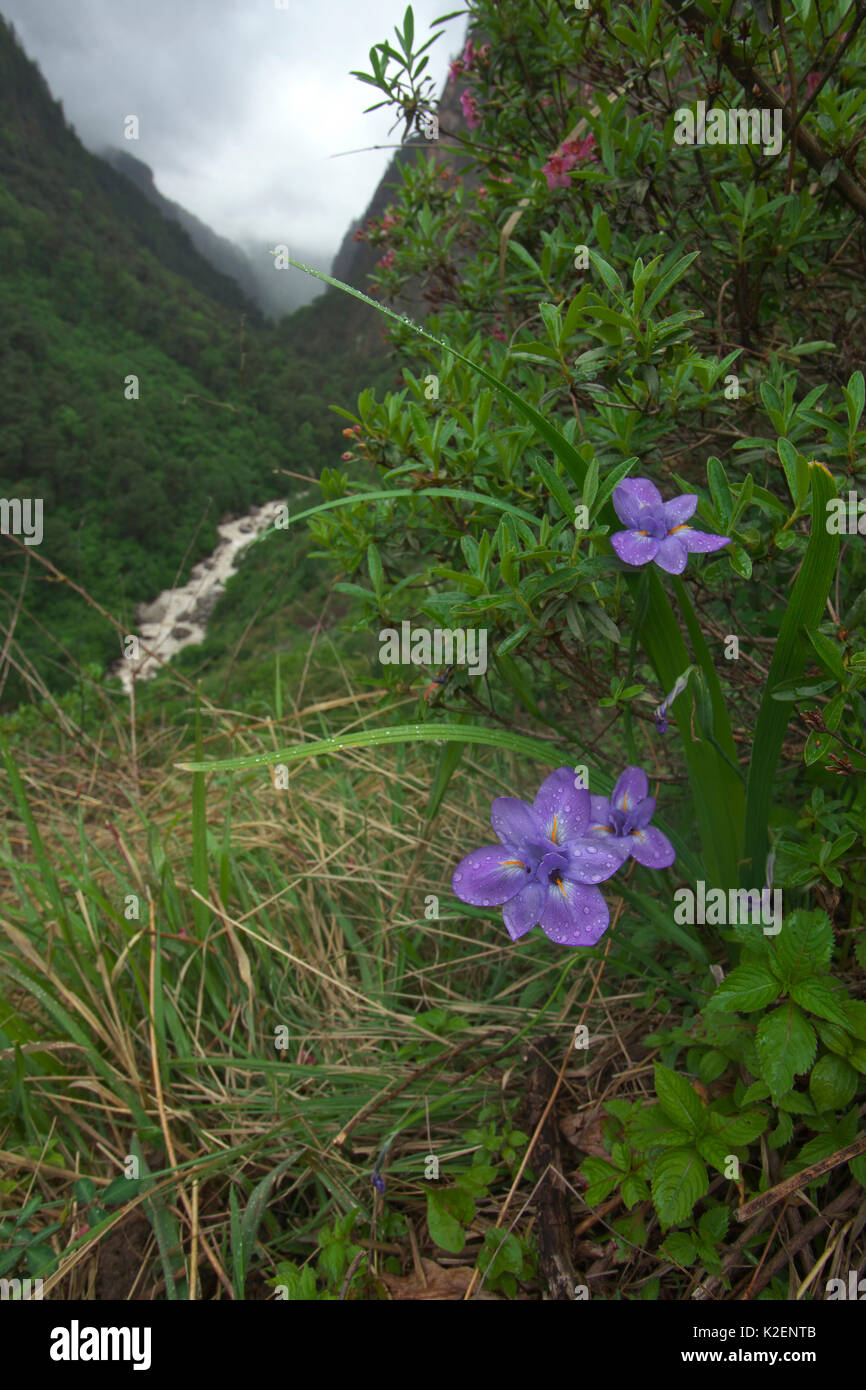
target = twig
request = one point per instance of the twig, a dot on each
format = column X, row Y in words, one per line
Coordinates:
column 800, row 1180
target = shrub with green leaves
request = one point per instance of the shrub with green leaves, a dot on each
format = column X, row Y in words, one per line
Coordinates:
column 611, row 305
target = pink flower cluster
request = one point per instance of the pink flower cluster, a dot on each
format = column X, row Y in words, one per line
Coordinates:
column 470, row 110
column 557, row 168
column 812, row 81
column 468, row 59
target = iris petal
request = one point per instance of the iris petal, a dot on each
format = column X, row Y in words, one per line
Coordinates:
column 631, row 789
column 599, row 811
column 652, row 848
column 634, row 548
column 488, row 877
column 514, row 821
column 593, row 859
column 575, row 915
column 702, row 541
column 642, row 813
column 521, row 913
column 631, row 497
column 679, row 509
column 562, row 808
column 672, row 555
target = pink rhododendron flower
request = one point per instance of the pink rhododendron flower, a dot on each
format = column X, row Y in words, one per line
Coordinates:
column 455, row 70
column 556, row 171
column 557, row 167
column 469, row 55
column 581, row 149
column 387, row 260
column 470, row 110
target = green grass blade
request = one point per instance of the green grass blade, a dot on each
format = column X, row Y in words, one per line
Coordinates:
column 717, row 792
column 46, row 872
column 546, row 751
column 448, row 764
column 461, row 494
column 199, row 833
column 790, row 655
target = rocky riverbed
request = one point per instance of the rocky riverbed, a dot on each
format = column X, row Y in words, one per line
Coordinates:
column 178, row 618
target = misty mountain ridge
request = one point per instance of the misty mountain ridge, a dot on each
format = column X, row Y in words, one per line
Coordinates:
column 251, row 266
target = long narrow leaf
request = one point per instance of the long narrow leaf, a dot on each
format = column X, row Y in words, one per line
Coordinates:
column 565, row 452
column 717, row 792
column 461, row 494
column 401, row 733
column 804, row 610
column 199, row 834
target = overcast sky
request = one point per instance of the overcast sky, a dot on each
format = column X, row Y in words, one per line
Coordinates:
column 241, row 104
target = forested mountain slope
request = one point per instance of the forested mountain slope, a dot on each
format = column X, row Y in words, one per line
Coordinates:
column 142, row 397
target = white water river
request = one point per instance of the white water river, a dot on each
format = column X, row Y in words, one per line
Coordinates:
column 178, row 618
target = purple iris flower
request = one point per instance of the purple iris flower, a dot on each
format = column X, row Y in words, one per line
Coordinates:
column 658, row 530
column 545, row 868
column 623, row 822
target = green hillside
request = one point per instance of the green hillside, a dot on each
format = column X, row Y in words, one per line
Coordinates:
column 97, row 288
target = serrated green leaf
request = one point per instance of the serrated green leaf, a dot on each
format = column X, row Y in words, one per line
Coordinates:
column 678, row 1101
column 795, row 1103
column 712, row 1065
column 739, row 1129
column 714, row 1223
column 601, row 1178
column 650, row 1128
column 857, row 1169
column 836, row 1039
column 679, row 1248
column 759, row 1090
column 634, row 1189
column 747, row 988
column 855, row 1012
column 786, row 1045
column 715, row 1150
column 783, row 1133
column 679, row 1180
column 818, row 997
column 833, row 1083
column 804, row 945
